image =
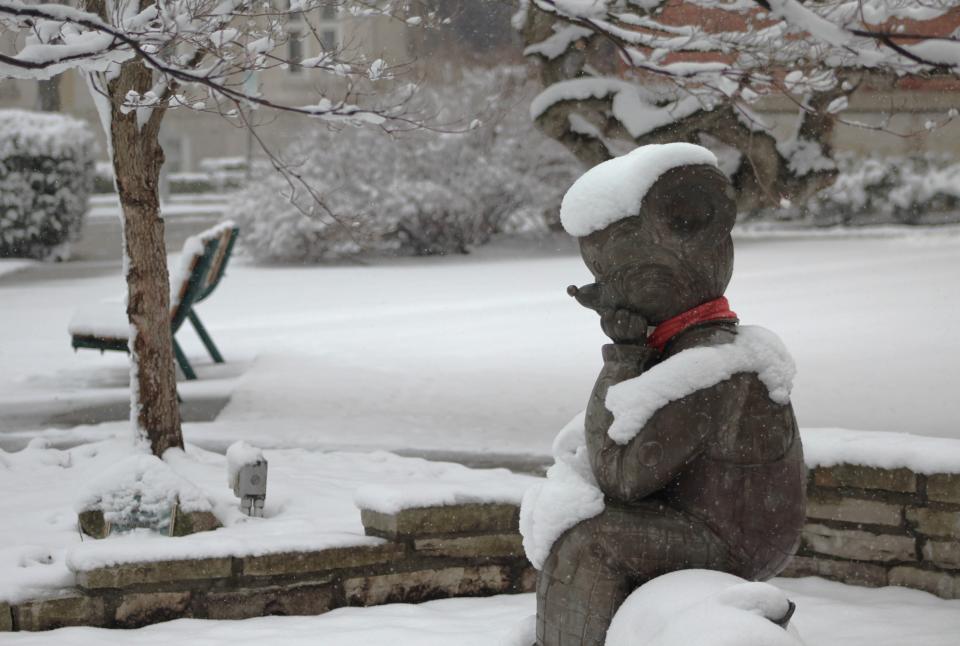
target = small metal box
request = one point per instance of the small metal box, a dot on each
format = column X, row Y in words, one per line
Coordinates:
column 250, row 485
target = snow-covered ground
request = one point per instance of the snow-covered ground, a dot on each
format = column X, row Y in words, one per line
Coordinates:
column 310, row 505
column 10, row 265
column 488, row 353
column 107, row 205
column 828, row 614
column 485, row 353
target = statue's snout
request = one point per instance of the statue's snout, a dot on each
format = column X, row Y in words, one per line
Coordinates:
column 593, row 296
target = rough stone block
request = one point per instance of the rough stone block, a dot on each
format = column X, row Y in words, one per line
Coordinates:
column 183, row 523
column 934, row 522
column 942, row 584
column 276, row 600
column 130, row 574
column 337, row 558
column 858, row 545
column 92, row 523
column 861, row 477
column 854, row 572
column 855, row 510
column 942, row 553
column 490, row 545
column 944, row 487
column 6, row 618
column 422, row 585
column 450, row 519
column 143, row 608
column 48, row 614
column 528, row 579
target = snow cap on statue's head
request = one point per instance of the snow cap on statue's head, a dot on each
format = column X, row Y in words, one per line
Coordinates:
column 615, row 189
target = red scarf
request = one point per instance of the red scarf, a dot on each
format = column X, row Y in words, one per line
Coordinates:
column 715, row 310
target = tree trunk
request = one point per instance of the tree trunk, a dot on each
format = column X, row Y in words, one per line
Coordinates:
column 137, row 158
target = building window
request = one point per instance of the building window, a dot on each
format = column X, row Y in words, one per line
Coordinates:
column 329, row 27
column 295, row 52
column 328, row 39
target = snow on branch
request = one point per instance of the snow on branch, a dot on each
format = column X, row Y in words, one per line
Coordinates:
column 838, row 32
column 623, row 73
column 208, row 47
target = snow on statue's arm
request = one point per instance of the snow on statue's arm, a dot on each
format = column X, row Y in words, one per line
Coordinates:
column 661, row 448
column 643, row 427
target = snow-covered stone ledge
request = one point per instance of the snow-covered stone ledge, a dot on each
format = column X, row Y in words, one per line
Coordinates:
column 883, row 509
column 455, row 549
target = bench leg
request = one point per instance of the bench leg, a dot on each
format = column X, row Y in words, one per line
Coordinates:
column 182, row 360
column 202, row 333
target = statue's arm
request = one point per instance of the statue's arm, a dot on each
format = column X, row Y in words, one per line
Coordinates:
column 672, row 437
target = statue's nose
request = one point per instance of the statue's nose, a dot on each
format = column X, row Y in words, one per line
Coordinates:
column 593, row 296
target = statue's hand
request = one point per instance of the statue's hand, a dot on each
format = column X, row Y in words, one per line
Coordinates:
column 624, row 326
column 620, row 324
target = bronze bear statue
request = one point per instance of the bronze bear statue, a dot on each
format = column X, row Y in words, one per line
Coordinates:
column 714, row 477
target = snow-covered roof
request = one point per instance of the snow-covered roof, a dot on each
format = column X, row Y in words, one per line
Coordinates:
column 615, row 189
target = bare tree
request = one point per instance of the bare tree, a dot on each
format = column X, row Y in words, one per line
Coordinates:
column 621, row 73
column 143, row 58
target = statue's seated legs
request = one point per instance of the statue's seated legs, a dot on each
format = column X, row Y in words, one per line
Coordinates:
column 595, row 565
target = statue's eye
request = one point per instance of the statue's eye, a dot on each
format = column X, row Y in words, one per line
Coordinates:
column 688, row 219
column 691, row 216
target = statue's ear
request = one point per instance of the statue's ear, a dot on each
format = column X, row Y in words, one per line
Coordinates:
column 693, row 199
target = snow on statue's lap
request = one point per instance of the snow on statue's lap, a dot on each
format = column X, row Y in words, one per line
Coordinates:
column 702, row 607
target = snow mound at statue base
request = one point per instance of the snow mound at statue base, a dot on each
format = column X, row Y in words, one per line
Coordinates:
column 691, row 608
column 702, row 607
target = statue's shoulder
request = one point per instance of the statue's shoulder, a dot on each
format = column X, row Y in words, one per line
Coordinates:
column 750, row 350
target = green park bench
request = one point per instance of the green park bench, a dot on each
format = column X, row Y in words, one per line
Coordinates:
column 203, row 261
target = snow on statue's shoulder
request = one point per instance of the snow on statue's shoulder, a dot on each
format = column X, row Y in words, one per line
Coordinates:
column 634, row 402
column 615, row 189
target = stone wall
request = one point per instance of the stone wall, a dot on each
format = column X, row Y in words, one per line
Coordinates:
column 865, row 526
column 430, row 553
column 877, row 527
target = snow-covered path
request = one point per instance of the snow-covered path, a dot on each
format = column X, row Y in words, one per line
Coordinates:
column 488, row 353
column 828, row 614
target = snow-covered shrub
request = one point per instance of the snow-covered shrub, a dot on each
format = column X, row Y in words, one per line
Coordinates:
column 140, row 490
column 874, row 190
column 903, row 188
column 46, row 175
column 415, row 193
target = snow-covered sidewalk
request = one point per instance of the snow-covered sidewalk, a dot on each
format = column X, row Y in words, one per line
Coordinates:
column 488, row 353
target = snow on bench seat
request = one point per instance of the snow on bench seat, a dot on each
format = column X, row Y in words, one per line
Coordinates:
column 106, row 320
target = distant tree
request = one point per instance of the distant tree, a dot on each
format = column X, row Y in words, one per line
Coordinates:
column 420, row 193
column 622, row 73
column 143, row 58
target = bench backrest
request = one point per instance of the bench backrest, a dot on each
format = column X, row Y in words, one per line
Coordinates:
column 219, row 264
column 191, row 285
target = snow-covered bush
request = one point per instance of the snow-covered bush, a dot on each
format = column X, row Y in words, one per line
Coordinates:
column 879, row 190
column 46, row 175
column 140, row 490
column 415, row 193
column 902, row 188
